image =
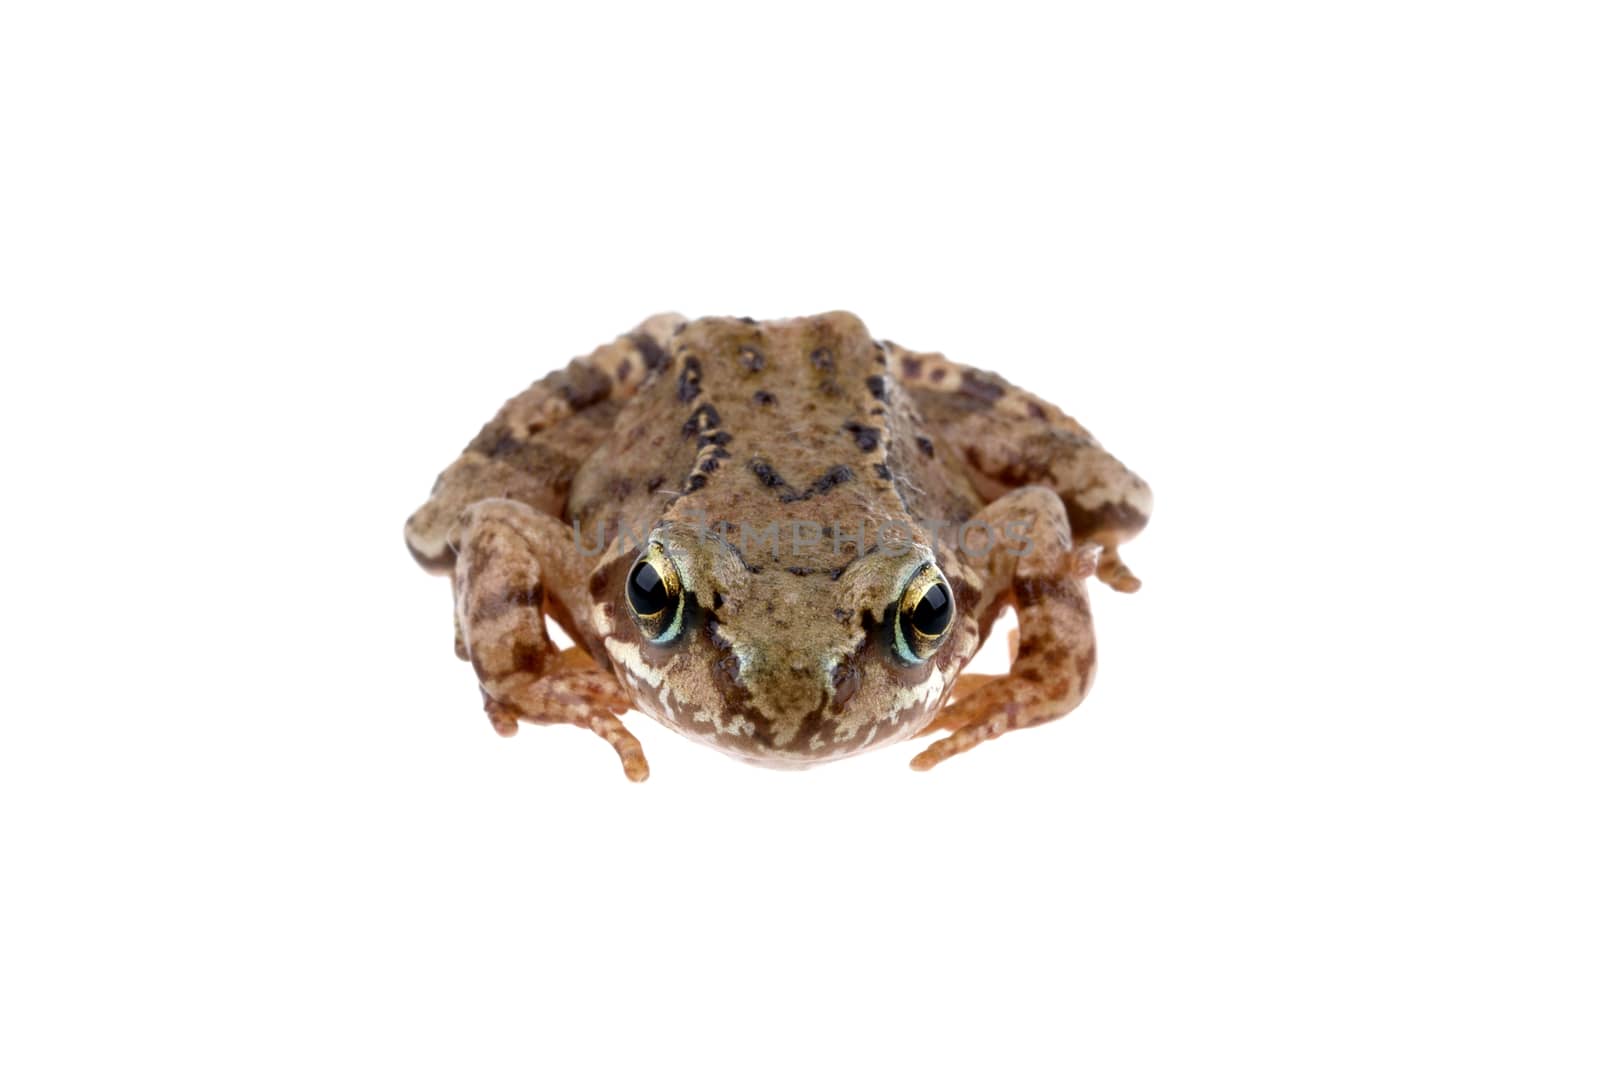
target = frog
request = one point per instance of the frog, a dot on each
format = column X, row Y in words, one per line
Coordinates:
column 785, row 539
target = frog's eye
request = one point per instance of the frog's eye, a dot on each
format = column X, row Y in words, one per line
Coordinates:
column 927, row 608
column 655, row 596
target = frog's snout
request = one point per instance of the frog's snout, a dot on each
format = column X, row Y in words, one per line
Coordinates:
column 787, row 686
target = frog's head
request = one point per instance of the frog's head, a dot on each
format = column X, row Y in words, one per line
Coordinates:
column 784, row 661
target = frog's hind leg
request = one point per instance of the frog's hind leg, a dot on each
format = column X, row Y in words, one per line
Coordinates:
column 1008, row 438
column 1043, row 574
column 510, row 559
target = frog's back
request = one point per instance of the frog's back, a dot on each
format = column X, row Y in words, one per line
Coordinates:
column 788, row 421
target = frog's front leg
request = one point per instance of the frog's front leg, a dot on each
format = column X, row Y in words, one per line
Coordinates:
column 1042, row 573
column 509, row 558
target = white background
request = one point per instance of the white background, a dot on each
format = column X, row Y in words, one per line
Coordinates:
column 1325, row 275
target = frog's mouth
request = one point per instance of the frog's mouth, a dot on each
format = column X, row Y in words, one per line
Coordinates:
column 808, row 719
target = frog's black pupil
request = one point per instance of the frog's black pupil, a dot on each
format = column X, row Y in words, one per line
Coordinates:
column 932, row 613
column 646, row 591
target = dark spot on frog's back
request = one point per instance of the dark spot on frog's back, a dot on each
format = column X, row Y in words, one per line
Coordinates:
column 751, row 358
column 767, row 476
column 764, row 399
column 704, row 419
column 877, row 387
column 787, row 494
column 526, row 453
column 689, row 380
column 651, row 353
column 866, row 436
column 835, row 476
column 925, row 446
column 496, row 442
column 582, row 386
column 981, row 386
column 822, row 359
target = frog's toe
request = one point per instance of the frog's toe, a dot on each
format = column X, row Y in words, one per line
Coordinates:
column 1115, row 573
column 1000, row 706
column 627, row 747
column 951, row 716
column 960, row 740
column 503, row 717
column 586, row 698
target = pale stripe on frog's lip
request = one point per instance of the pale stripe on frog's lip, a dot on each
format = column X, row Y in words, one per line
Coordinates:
column 626, row 654
column 912, row 704
column 917, row 696
column 647, row 681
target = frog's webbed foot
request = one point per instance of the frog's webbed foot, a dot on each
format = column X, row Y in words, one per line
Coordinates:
column 507, row 552
column 575, row 692
column 1053, row 654
column 1002, row 705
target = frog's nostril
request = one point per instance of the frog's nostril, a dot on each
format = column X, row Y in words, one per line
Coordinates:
column 846, row 681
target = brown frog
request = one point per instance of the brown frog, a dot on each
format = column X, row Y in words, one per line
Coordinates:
column 782, row 539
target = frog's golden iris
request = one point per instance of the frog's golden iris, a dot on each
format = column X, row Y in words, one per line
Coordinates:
column 655, row 596
column 927, row 608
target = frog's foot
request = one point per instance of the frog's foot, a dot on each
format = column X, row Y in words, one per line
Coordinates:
column 965, row 685
column 507, row 553
column 1115, row 573
column 994, row 708
column 1052, row 657
column 575, row 692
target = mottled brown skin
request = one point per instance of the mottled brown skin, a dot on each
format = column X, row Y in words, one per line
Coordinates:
column 698, row 436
